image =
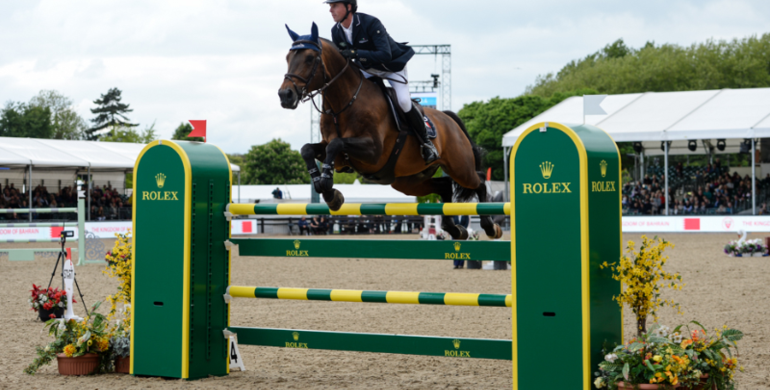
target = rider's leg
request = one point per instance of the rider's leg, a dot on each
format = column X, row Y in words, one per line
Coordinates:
column 416, row 122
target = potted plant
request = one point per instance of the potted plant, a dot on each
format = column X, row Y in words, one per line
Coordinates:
column 121, row 351
column 48, row 302
column 733, row 249
column 80, row 347
column 642, row 277
column 754, row 247
column 652, row 361
column 712, row 355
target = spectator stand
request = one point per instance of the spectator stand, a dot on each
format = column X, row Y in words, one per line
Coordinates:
column 709, row 190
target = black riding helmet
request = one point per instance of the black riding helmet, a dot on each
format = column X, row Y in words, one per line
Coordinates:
column 353, row 3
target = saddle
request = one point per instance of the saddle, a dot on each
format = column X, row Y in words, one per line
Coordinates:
column 387, row 175
column 398, row 114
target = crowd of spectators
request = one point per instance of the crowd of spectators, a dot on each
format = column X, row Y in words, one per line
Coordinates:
column 706, row 190
column 106, row 203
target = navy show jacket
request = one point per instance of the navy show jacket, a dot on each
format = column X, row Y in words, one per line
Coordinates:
column 376, row 49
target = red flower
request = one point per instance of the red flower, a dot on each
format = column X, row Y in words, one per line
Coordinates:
column 47, row 306
column 52, row 315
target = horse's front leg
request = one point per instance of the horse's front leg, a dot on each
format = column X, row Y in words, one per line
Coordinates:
column 310, row 153
column 360, row 148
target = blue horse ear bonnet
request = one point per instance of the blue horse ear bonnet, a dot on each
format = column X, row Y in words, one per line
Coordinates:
column 313, row 37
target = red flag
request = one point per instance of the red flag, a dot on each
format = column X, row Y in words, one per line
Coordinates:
column 199, row 129
column 489, row 174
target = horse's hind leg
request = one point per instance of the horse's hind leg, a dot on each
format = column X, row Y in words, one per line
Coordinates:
column 490, row 227
column 443, row 186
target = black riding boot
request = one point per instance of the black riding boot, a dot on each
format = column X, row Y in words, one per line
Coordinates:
column 429, row 152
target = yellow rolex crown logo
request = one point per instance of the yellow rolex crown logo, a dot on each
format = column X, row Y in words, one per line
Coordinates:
column 296, row 244
column 456, row 343
column 546, row 168
column 295, row 335
column 603, row 165
column 160, row 179
column 457, row 246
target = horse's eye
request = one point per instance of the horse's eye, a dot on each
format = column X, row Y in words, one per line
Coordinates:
column 309, row 59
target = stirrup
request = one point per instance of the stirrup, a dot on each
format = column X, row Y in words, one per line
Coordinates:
column 429, row 152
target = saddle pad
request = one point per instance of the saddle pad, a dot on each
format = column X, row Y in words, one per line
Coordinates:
column 431, row 128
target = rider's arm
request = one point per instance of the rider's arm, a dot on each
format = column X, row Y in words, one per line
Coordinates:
column 379, row 36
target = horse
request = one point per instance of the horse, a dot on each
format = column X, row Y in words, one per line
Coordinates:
column 359, row 134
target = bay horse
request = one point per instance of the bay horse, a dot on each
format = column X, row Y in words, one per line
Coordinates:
column 359, row 134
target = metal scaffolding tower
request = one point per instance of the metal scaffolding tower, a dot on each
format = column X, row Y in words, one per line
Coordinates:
column 446, row 69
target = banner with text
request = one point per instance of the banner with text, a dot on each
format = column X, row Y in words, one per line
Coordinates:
column 99, row 230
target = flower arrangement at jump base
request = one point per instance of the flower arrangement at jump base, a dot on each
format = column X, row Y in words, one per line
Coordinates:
column 87, row 340
column 661, row 359
column 119, row 266
column 747, row 248
column 667, row 360
column 48, row 302
column 641, row 275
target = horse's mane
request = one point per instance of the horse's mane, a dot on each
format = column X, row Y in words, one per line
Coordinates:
column 332, row 44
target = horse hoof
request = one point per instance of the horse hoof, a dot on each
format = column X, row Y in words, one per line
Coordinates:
column 336, row 200
column 457, row 232
column 498, row 232
column 463, row 233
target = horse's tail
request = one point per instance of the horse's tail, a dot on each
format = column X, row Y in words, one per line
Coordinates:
column 463, row 194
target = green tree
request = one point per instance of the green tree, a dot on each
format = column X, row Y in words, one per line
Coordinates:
column 24, row 120
column 616, row 69
column 67, row 124
column 617, row 49
column 487, row 122
column 110, row 114
column 181, row 133
column 274, row 163
column 130, row 135
column 235, row 158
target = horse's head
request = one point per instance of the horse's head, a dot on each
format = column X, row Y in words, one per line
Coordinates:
column 304, row 74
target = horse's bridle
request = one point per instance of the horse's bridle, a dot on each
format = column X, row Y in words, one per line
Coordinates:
column 303, row 92
column 305, row 95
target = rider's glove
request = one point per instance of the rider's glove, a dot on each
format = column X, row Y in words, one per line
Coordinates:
column 349, row 53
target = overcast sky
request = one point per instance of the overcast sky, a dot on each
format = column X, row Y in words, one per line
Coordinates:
column 223, row 61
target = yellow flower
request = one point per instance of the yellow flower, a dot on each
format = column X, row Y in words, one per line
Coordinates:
column 103, row 345
column 90, row 342
column 69, row 350
column 657, row 358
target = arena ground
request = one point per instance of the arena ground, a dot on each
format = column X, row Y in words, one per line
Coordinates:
column 720, row 290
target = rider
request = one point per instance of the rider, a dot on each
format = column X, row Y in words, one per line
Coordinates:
column 364, row 39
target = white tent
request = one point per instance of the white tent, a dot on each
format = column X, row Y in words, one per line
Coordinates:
column 48, row 154
column 731, row 115
column 66, row 153
column 668, row 116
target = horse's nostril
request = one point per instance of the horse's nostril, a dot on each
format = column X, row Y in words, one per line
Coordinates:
column 285, row 94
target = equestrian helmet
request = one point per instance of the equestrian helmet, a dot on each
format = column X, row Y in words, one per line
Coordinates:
column 353, row 3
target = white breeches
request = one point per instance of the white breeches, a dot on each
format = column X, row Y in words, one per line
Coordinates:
column 400, row 83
